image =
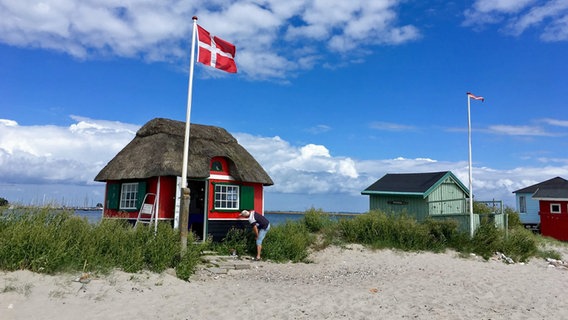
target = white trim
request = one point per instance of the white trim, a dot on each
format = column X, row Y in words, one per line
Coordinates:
column 177, row 203
column 221, row 177
column 121, row 200
column 157, row 208
column 262, row 195
column 559, row 208
column 552, row 199
column 227, row 187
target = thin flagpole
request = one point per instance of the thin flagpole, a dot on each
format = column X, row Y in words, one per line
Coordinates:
column 188, row 115
column 470, row 171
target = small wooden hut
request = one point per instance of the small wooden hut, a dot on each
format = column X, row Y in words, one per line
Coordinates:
column 529, row 207
column 436, row 195
column 222, row 175
column 553, row 211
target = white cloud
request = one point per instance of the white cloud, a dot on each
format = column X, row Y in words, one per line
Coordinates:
column 160, row 30
column 53, row 154
column 501, row 5
column 389, row 126
column 61, row 162
column 555, row 122
column 320, row 128
column 358, row 21
column 519, row 130
column 543, row 128
column 312, row 169
column 549, row 17
column 305, row 169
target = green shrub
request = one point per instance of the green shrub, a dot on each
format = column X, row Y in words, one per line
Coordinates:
column 162, row 247
column 373, row 228
column 520, row 245
column 237, row 240
column 549, row 254
column 513, row 218
column 189, row 259
column 41, row 240
column 380, row 230
column 47, row 240
column 444, row 234
column 287, row 242
column 110, row 247
column 316, row 220
column 487, row 239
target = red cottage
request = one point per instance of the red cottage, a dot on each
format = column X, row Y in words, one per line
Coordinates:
column 553, row 211
column 223, row 177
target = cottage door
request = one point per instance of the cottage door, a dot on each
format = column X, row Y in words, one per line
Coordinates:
column 197, row 208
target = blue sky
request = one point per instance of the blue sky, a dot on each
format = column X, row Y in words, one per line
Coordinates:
column 330, row 95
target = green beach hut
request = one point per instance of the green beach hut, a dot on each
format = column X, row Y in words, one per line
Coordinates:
column 437, row 195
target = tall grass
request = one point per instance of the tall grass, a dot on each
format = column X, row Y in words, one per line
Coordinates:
column 287, row 242
column 48, row 241
column 379, row 230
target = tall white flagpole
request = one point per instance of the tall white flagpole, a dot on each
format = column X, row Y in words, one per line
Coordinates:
column 470, row 171
column 188, row 114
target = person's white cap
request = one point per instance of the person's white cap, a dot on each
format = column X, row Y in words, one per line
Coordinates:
column 245, row 213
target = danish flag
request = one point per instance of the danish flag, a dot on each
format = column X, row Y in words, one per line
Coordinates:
column 471, row 95
column 215, row 52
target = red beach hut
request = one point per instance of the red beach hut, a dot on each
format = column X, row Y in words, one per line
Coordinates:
column 144, row 178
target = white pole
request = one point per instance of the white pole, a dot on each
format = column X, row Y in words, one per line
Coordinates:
column 157, row 206
column 188, row 115
column 470, row 174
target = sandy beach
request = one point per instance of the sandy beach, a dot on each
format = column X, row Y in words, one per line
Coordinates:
column 339, row 283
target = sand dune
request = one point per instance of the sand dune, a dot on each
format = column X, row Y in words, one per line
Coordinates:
column 340, row 283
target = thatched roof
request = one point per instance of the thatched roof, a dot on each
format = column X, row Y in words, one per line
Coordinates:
column 157, row 150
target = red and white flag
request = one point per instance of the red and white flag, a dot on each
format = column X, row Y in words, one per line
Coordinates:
column 471, row 95
column 215, row 52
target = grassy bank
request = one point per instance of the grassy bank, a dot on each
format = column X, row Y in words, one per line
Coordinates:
column 49, row 241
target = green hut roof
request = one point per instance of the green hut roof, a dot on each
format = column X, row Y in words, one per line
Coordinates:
column 411, row 183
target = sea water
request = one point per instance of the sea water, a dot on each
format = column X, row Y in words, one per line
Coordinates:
column 94, row 216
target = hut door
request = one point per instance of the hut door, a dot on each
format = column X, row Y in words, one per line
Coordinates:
column 197, row 208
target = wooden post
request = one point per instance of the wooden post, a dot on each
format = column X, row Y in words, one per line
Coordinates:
column 184, row 218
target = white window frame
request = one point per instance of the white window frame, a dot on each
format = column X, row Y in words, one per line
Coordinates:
column 128, row 196
column 557, row 205
column 226, row 197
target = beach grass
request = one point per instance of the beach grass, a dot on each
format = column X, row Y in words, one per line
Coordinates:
column 378, row 230
column 48, row 241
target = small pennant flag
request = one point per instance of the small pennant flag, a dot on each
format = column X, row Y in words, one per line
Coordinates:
column 215, row 52
column 471, row 95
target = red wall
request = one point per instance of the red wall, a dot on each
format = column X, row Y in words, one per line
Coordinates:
column 554, row 225
column 168, row 194
column 217, row 215
column 166, row 205
column 223, row 176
